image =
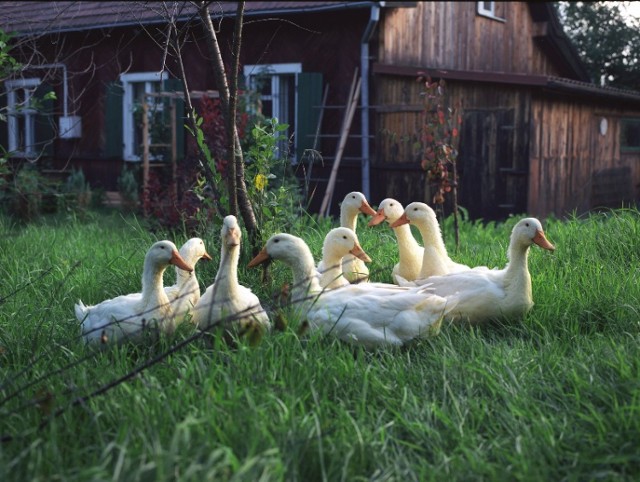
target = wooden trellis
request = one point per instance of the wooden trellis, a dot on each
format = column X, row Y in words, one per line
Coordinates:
column 146, row 145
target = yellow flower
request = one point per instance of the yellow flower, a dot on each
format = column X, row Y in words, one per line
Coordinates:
column 260, row 182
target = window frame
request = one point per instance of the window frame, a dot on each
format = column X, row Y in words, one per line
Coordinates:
column 29, row 86
column 488, row 12
column 624, row 148
column 128, row 102
column 275, row 72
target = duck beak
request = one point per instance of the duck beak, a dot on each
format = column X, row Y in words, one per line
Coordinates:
column 400, row 221
column 541, row 240
column 179, row 261
column 359, row 253
column 378, row 218
column 233, row 237
column 206, row 256
column 260, row 258
column 365, row 208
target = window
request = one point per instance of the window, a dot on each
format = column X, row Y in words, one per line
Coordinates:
column 135, row 87
column 21, row 117
column 488, row 9
column 630, row 135
column 277, row 86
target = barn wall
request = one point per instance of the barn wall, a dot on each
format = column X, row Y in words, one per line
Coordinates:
column 572, row 166
column 494, row 145
column 451, row 35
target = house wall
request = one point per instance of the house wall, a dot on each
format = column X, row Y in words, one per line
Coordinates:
column 573, row 166
column 324, row 42
column 451, row 35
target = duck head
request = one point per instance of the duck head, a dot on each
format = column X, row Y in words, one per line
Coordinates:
column 282, row 246
column 341, row 241
column 193, row 250
column 165, row 253
column 417, row 212
column 230, row 232
column 529, row 231
column 389, row 210
column 355, row 202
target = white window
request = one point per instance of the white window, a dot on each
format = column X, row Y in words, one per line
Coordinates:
column 277, row 86
column 21, row 117
column 136, row 86
column 488, row 9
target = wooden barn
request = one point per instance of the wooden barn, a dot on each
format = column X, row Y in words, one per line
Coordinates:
column 537, row 135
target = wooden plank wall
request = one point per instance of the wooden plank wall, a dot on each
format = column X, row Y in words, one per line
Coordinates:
column 568, row 154
column 451, row 35
column 493, row 160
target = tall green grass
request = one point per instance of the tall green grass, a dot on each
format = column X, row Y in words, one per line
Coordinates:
column 555, row 396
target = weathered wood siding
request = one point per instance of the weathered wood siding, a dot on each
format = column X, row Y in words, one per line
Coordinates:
column 572, row 165
column 494, row 145
column 451, row 35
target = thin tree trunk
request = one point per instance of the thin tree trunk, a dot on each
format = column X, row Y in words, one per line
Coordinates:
column 236, row 185
column 244, row 204
column 454, row 191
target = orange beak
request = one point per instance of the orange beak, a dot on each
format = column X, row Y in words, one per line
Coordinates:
column 233, row 237
column 541, row 240
column 178, row 261
column 359, row 253
column 377, row 218
column 400, row 221
column 365, row 208
column 206, row 256
column 260, row 258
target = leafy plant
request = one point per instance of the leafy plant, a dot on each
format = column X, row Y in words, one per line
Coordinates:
column 271, row 186
column 129, row 189
column 441, row 139
column 25, row 193
column 78, row 190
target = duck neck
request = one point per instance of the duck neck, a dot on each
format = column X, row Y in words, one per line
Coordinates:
column 517, row 277
column 227, row 277
column 406, row 242
column 349, row 220
column 184, row 278
column 332, row 276
column 152, row 285
column 305, row 281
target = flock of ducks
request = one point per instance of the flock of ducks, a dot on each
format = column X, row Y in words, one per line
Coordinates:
column 335, row 296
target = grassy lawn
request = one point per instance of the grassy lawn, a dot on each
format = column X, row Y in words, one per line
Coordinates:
column 555, row 396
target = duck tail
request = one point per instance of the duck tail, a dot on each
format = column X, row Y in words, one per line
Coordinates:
column 81, row 311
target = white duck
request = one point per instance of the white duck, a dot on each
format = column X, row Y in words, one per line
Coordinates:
column 410, row 252
column 355, row 271
column 364, row 314
column 337, row 242
column 226, row 299
column 185, row 293
column 436, row 260
column 128, row 315
column 482, row 295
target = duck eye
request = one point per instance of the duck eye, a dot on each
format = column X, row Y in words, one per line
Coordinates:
column 526, row 224
column 344, row 237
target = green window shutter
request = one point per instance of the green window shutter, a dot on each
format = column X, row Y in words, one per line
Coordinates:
column 44, row 121
column 309, row 100
column 4, row 127
column 113, row 121
column 176, row 85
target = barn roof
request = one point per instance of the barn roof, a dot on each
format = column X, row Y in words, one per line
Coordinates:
column 28, row 18
column 546, row 82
